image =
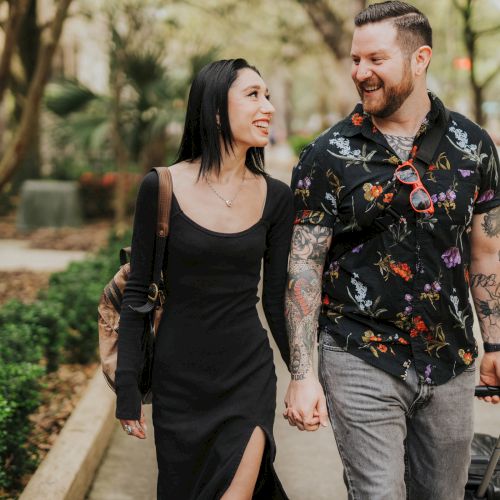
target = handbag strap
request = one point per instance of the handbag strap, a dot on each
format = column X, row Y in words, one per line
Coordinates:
column 163, row 220
column 165, row 192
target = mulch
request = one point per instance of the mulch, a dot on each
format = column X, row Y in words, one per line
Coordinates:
column 61, row 392
column 88, row 238
column 25, row 285
column 22, row 285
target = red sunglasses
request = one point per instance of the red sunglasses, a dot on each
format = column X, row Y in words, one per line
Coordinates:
column 420, row 199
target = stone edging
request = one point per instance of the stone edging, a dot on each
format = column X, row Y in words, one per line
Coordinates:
column 67, row 471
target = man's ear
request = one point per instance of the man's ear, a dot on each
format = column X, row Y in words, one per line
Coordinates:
column 422, row 58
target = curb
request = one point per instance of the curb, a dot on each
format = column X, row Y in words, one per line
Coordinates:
column 67, row 471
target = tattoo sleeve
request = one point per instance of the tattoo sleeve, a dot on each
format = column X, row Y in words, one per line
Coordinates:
column 485, row 279
column 491, row 223
column 310, row 245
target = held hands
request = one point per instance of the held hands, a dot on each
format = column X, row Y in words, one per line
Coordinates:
column 490, row 373
column 135, row 428
column 306, row 404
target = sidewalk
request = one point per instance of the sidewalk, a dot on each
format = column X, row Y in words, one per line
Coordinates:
column 17, row 255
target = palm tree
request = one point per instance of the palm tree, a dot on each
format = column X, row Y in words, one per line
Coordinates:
column 129, row 125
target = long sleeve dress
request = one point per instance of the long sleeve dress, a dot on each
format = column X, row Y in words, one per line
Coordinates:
column 213, row 378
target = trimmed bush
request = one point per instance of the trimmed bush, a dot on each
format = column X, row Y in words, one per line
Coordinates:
column 299, row 142
column 19, row 397
column 60, row 326
column 39, row 328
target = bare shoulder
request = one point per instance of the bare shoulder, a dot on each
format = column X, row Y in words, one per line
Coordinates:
column 184, row 172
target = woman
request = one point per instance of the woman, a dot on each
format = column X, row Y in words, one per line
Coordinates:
column 214, row 384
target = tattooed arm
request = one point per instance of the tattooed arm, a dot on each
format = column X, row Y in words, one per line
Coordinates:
column 485, row 287
column 305, row 401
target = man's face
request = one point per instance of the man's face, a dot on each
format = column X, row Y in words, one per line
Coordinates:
column 380, row 70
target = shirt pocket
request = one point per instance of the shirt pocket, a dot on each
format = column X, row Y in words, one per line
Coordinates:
column 453, row 193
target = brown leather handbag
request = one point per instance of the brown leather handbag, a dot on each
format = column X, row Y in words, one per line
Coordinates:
column 111, row 298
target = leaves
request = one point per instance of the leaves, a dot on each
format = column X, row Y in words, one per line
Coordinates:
column 67, row 96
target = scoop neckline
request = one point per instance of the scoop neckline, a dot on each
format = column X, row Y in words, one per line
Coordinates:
column 218, row 233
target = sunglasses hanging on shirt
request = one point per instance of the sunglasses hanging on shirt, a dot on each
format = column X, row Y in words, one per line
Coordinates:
column 420, row 199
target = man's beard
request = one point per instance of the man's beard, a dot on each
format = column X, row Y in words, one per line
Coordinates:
column 393, row 98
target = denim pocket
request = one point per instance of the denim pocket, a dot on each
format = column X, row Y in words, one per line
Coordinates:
column 328, row 343
column 471, row 368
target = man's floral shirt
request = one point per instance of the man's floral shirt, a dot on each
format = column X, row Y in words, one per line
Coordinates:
column 401, row 297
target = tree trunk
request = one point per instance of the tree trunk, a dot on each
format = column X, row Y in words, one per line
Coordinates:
column 154, row 153
column 477, row 93
column 28, row 49
column 288, row 111
column 120, row 153
column 17, row 10
column 19, row 144
column 331, row 26
column 470, row 37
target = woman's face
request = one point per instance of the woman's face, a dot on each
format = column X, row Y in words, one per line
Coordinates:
column 249, row 110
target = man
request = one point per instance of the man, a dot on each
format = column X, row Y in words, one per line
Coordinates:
column 381, row 265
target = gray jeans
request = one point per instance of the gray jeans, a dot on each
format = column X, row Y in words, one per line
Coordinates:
column 379, row 419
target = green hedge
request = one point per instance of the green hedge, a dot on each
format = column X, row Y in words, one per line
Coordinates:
column 60, row 326
column 299, row 142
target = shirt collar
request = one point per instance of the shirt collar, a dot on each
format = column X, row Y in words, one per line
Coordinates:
column 360, row 123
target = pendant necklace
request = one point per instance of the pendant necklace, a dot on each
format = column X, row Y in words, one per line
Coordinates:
column 229, row 202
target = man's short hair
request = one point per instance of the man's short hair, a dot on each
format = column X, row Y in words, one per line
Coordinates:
column 413, row 28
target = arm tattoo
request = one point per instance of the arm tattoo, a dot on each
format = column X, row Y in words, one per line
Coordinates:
column 486, row 294
column 310, row 245
column 491, row 223
column 480, row 279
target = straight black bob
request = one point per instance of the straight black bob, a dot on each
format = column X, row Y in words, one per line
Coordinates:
column 207, row 104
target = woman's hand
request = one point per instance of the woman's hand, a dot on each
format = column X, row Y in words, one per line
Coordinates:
column 135, row 428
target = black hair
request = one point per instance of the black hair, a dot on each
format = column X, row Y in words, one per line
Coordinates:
column 413, row 27
column 207, row 119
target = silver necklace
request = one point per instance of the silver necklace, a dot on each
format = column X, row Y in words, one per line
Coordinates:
column 229, row 202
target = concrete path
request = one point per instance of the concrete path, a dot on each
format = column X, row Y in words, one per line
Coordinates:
column 16, row 255
column 308, row 464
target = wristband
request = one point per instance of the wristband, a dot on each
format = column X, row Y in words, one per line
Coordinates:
column 489, row 347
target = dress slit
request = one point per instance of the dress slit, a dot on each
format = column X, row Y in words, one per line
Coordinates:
column 267, row 486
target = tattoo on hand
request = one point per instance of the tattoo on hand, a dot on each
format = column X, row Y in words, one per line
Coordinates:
column 491, row 223
column 303, row 297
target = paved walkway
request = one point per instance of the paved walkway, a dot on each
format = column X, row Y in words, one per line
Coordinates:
column 16, row 255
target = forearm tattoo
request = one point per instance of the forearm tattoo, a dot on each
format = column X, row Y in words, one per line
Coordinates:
column 486, row 287
column 486, row 294
column 303, row 296
column 491, row 223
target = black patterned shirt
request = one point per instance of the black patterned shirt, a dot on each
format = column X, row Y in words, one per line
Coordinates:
column 401, row 297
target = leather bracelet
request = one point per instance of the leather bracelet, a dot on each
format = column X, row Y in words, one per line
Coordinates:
column 489, row 347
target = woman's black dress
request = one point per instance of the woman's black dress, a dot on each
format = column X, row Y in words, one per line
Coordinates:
column 213, row 377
